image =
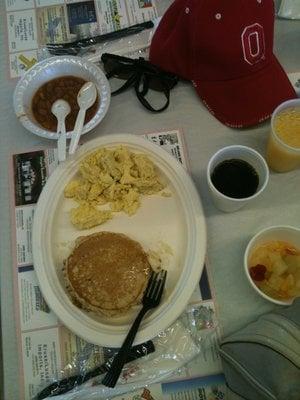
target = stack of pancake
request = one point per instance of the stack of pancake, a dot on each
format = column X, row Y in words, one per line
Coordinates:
column 107, row 273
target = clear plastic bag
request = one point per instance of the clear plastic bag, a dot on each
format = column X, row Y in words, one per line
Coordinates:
column 130, row 45
column 174, row 348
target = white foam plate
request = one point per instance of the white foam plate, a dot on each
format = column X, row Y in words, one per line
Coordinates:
column 177, row 221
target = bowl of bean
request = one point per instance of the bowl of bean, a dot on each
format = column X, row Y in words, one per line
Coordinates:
column 59, row 78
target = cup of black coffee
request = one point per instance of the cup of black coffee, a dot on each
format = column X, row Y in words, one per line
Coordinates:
column 236, row 175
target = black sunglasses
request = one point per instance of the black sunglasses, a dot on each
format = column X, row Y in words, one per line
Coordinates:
column 140, row 74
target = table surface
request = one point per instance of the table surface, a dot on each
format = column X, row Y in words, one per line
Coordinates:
column 228, row 234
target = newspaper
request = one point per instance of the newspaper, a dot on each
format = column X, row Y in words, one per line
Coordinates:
column 197, row 388
column 34, row 23
column 47, row 349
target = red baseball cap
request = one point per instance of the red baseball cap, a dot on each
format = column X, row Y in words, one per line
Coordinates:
column 225, row 47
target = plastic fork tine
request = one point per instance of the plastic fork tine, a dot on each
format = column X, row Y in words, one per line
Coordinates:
column 158, row 284
column 151, row 300
column 150, row 283
column 161, row 285
column 153, row 288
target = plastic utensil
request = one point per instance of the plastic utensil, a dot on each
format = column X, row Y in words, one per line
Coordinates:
column 151, row 299
column 75, row 47
column 86, row 98
column 66, row 384
column 61, row 108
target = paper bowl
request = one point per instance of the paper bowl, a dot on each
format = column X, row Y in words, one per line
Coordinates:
column 52, row 68
column 177, row 221
column 282, row 233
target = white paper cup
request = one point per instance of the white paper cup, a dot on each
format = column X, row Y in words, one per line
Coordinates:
column 230, row 204
column 282, row 233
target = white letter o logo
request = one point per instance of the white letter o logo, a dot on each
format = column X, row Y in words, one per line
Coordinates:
column 253, row 41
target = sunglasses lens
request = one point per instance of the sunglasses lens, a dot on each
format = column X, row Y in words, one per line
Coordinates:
column 157, row 84
column 155, row 100
column 161, row 83
column 119, row 69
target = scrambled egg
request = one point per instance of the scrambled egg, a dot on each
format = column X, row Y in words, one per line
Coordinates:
column 113, row 177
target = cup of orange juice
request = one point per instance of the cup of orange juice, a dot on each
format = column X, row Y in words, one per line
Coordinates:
column 283, row 148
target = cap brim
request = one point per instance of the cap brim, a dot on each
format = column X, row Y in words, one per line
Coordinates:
column 249, row 100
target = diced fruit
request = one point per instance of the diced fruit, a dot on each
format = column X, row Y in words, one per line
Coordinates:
column 292, row 261
column 291, row 250
column 258, row 272
column 288, row 283
column 279, row 266
column 275, row 268
column 275, row 282
column 261, row 257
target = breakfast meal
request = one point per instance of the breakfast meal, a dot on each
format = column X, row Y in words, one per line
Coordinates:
column 275, row 269
column 107, row 273
column 114, row 178
column 66, row 88
column 153, row 248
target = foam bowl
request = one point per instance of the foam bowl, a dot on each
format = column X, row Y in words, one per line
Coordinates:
column 56, row 67
column 282, row 233
column 177, row 221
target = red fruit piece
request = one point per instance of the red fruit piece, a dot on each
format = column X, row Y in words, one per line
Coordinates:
column 258, row 272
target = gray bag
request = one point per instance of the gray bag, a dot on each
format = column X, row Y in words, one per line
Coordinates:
column 262, row 361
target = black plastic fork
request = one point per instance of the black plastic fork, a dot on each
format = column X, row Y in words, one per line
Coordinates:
column 151, row 299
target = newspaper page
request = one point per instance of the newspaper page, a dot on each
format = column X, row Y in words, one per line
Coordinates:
column 49, row 350
column 210, row 387
column 34, row 23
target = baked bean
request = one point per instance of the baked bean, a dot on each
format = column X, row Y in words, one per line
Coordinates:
column 67, row 88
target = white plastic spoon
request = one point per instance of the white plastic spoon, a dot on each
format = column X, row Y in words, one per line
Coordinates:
column 86, row 98
column 60, row 108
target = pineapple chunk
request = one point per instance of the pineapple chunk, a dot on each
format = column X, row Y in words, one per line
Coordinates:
column 289, row 283
column 275, row 282
column 279, row 267
column 293, row 263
